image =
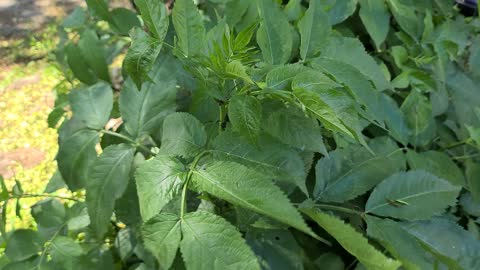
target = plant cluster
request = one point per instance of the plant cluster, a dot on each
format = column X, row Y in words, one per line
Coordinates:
column 263, row 134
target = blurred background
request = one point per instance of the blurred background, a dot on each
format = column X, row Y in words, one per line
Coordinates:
column 28, row 37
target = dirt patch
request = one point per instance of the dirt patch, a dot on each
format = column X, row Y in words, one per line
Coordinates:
column 26, row 157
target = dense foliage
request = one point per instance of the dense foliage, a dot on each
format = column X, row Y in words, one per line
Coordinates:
column 254, row 134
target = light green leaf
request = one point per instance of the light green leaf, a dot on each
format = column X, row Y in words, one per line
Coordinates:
column 281, row 77
column 412, row 195
column 450, row 243
column 183, row 135
column 141, row 55
column 94, row 54
column 354, row 242
column 245, row 114
column 350, row 172
column 244, row 187
column 161, row 236
column 92, row 105
column 273, row 36
column 107, row 181
column 144, row 111
column 76, row 152
column 189, row 27
column 154, row 16
column 399, row 243
column 237, row 70
column 332, row 106
column 376, row 19
column 269, row 158
column 352, row 52
column 23, row 244
column 292, row 127
column 314, row 30
column 437, row 163
column 211, row 243
column 158, row 180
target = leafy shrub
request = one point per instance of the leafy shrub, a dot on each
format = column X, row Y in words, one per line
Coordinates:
column 256, row 135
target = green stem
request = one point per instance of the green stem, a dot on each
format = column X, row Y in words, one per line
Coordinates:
column 187, row 181
column 453, row 145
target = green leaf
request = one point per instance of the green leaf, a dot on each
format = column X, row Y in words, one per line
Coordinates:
column 76, row 153
column 281, row 77
column 451, row 244
column 183, row 135
column 124, row 20
column 276, row 249
column 92, row 105
column 237, row 70
column 66, row 252
column 189, row 27
column 472, row 173
column 211, row 243
column 245, row 114
column 412, row 195
column 273, row 36
column 404, row 13
column 351, row 51
column 359, row 86
column 78, row 65
column 158, row 181
column 23, row 244
column 161, row 235
column 418, row 111
column 50, row 216
column 314, row 30
column 376, row 19
column 269, row 158
column 99, row 8
column 155, row 17
column 144, row 111
column 76, row 19
column 437, row 163
column 351, row 240
column 292, row 127
column 107, row 181
column 93, row 52
column 332, row 106
column 350, row 172
column 340, row 10
column 399, row 243
column 242, row 186
column 330, row 261
column 141, row 55
column 395, row 119
column 55, row 183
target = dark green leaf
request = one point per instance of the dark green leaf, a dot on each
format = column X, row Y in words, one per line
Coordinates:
column 245, row 114
column 108, row 179
column 314, row 30
column 376, row 19
column 155, row 17
column 93, row 52
column 189, row 27
column 23, row 244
